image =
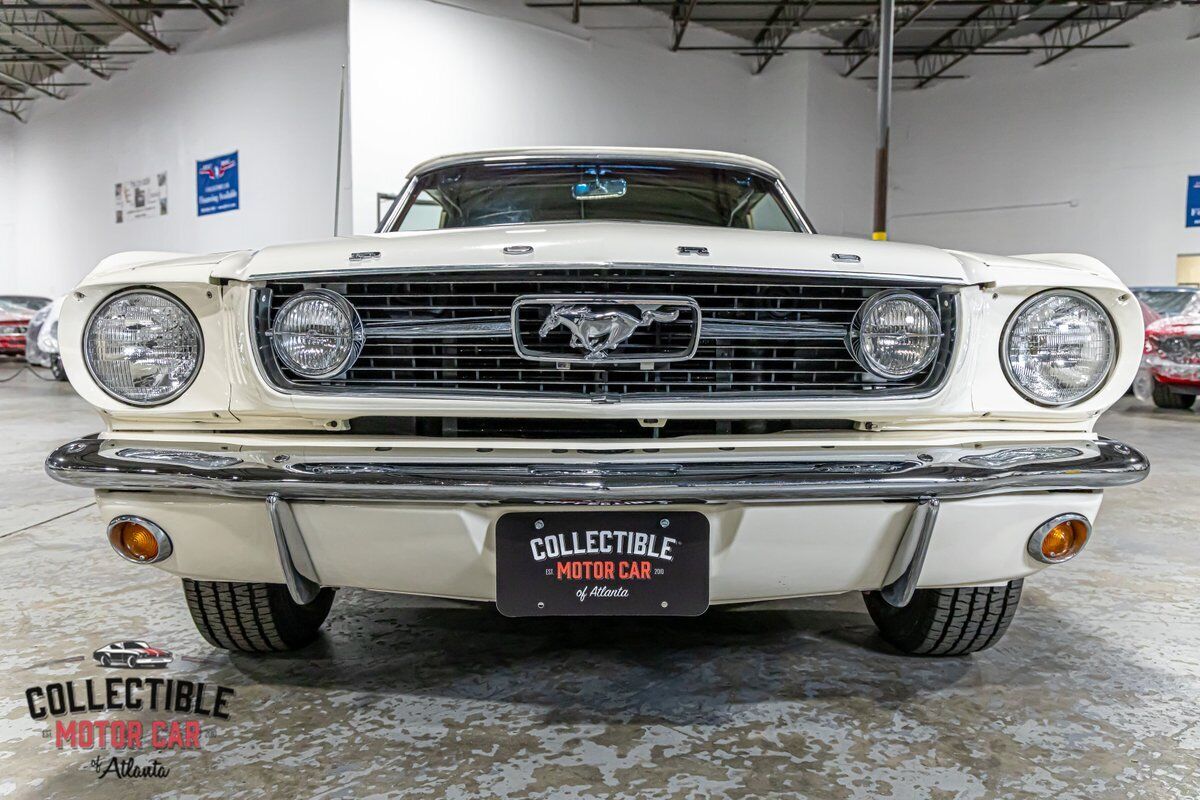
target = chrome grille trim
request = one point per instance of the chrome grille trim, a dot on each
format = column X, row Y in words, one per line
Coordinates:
column 447, row 332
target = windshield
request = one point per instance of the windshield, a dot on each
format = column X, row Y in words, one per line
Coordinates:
column 12, row 309
column 476, row 195
column 1169, row 302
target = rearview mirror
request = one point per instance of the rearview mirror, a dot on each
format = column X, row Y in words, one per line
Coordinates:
column 600, row 189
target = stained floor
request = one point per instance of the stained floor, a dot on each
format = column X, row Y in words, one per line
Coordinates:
column 1094, row 693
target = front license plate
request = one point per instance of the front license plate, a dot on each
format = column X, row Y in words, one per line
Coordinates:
column 602, row 563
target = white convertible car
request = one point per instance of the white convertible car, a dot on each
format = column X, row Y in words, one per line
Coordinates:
column 613, row 382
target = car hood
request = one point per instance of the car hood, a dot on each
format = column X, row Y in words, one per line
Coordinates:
column 600, row 243
column 1184, row 325
column 153, row 651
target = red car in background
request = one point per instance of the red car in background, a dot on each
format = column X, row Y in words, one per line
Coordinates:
column 1172, row 357
column 15, row 313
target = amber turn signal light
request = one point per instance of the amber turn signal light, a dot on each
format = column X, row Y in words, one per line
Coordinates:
column 138, row 540
column 1060, row 539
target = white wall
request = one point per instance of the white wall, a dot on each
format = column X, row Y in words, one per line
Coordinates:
column 266, row 85
column 7, row 204
column 1115, row 131
column 1105, row 138
column 840, row 158
column 429, row 78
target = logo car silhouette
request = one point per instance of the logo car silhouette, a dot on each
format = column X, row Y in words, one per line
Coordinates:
column 132, row 653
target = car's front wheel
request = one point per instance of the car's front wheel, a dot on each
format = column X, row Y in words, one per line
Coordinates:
column 105, row 661
column 254, row 617
column 946, row 622
column 1165, row 398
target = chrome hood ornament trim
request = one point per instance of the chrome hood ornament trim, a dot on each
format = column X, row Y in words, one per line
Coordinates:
column 601, row 332
column 599, row 329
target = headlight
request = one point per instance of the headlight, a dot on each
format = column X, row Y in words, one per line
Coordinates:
column 317, row 334
column 143, row 347
column 896, row 334
column 1059, row 347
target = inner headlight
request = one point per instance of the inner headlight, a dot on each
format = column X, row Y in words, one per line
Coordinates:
column 1059, row 347
column 143, row 347
column 896, row 334
column 317, row 334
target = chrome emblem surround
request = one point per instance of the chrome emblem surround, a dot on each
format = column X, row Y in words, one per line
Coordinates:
column 599, row 325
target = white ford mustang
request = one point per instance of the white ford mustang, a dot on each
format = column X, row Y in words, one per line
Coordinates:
column 575, row 381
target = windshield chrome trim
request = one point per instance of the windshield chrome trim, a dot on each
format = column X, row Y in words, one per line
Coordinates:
column 782, row 192
column 660, row 155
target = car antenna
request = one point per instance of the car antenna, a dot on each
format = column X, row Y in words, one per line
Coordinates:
column 337, row 187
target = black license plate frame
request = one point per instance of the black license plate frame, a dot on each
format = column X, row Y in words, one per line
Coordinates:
column 602, row 563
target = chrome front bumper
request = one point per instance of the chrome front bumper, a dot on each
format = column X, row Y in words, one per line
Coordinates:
column 488, row 476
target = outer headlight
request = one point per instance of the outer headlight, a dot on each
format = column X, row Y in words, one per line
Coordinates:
column 896, row 334
column 317, row 334
column 143, row 347
column 1058, row 347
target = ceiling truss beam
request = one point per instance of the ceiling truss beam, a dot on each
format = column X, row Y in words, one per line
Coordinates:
column 13, row 80
column 743, row 5
column 41, row 38
column 49, row 48
column 681, row 17
column 209, row 11
column 904, row 17
column 784, row 20
column 857, row 51
column 132, row 27
column 977, row 30
column 1086, row 25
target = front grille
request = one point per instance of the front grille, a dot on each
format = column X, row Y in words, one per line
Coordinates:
column 1180, row 348
column 762, row 335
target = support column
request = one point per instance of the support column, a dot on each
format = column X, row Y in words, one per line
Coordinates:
column 887, row 28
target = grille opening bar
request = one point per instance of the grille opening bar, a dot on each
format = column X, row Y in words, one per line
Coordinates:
column 558, row 428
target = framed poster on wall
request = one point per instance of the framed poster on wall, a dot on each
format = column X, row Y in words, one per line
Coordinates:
column 1193, row 201
column 217, row 185
column 141, row 198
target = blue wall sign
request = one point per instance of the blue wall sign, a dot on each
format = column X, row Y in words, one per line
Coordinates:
column 217, row 184
column 1193, row 201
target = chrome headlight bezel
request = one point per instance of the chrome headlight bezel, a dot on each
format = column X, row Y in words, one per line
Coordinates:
column 1105, row 373
column 189, row 318
column 856, row 339
column 355, row 325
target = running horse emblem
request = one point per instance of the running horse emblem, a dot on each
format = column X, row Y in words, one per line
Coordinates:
column 601, row 332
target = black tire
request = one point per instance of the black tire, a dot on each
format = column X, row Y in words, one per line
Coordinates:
column 105, row 661
column 1165, row 398
column 57, row 369
column 131, row 662
column 946, row 622
column 254, row 617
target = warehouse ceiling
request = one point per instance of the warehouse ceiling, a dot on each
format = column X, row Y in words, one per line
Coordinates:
column 933, row 37
column 39, row 39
